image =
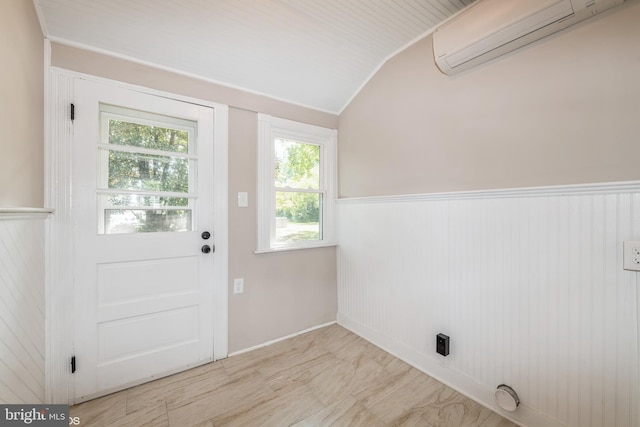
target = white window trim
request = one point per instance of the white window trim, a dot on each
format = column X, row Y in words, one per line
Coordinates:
column 268, row 128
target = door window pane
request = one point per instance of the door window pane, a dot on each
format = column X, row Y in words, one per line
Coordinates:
column 123, row 132
column 134, row 171
column 140, row 201
column 119, row 221
column 298, row 216
column 147, row 162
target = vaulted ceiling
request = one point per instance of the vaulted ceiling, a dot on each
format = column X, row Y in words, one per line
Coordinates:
column 316, row 53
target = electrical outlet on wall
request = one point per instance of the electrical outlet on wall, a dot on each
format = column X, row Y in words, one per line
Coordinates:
column 442, row 344
column 238, row 286
column 631, row 255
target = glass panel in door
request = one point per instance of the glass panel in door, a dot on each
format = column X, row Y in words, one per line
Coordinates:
column 147, row 165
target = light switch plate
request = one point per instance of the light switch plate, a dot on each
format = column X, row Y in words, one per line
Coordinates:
column 631, row 255
column 243, row 199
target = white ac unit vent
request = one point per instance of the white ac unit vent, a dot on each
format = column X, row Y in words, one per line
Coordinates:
column 490, row 28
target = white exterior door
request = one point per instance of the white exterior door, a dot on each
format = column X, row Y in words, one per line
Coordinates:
column 142, row 197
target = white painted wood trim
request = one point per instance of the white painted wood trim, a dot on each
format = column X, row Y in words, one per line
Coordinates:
column 143, row 89
column 293, row 248
column 264, row 185
column 221, row 233
column 277, row 340
column 554, row 190
column 326, row 138
column 24, row 213
column 636, row 398
column 59, row 282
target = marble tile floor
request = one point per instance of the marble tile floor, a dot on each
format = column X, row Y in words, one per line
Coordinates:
column 327, row 377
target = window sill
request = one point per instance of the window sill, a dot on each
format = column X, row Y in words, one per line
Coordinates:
column 294, row 248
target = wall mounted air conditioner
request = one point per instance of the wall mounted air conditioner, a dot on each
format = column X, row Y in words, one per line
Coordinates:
column 490, row 28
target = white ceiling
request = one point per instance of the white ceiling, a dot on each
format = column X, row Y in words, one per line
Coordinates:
column 317, row 53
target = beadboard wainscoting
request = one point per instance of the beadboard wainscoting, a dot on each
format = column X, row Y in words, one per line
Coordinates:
column 528, row 284
column 22, row 306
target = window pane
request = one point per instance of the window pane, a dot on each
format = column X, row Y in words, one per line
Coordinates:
column 145, row 153
column 118, row 221
column 136, row 200
column 297, row 165
column 298, row 216
column 134, row 171
column 151, row 137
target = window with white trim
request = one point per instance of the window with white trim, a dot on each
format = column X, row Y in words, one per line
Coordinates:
column 296, row 185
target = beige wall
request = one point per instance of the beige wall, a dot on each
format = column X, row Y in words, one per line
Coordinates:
column 284, row 292
column 21, row 106
column 564, row 110
column 125, row 71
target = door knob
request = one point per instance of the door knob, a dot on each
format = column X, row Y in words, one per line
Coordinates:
column 206, row 249
column 206, row 235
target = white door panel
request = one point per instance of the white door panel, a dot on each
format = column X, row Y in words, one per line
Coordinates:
column 144, row 298
column 127, row 356
column 131, row 288
column 132, row 281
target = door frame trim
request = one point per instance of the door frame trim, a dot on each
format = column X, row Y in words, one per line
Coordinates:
column 59, row 250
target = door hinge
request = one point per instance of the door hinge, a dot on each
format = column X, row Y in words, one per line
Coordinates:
column 73, row 364
column 73, row 112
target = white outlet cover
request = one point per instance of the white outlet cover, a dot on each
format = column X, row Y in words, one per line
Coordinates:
column 238, row 286
column 631, row 258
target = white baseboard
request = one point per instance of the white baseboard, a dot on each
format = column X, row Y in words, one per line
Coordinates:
column 524, row 416
column 268, row 343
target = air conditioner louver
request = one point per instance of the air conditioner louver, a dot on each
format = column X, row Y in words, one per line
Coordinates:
column 490, row 28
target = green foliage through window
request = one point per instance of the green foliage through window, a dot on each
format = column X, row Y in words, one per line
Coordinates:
column 297, row 165
column 135, row 171
column 298, row 196
column 148, row 172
